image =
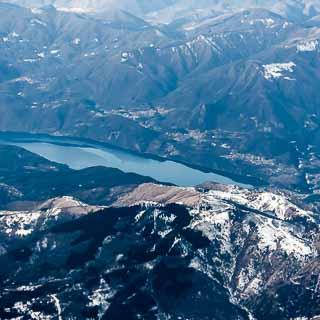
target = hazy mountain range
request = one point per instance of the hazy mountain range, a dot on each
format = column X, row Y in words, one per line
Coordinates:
column 165, row 8
column 309, row 6
column 229, row 89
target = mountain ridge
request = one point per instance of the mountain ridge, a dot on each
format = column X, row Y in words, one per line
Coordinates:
column 239, row 254
column 190, row 88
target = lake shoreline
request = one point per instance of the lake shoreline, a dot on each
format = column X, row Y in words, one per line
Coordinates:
column 66, row 141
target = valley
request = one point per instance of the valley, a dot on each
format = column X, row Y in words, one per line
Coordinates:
column 159, row 160
column 80, row 155
column 220, row 90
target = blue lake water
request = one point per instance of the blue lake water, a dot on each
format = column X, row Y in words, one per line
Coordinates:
column 80, row 157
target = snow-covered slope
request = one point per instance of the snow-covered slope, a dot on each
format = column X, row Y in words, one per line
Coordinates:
column 17, row 224
column 222, row 253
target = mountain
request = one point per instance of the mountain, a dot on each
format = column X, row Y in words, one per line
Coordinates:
column 223, row 86
column 139, row 7
column 103, row 244
column 235, row 89
column 168, row 11
column 222, row 253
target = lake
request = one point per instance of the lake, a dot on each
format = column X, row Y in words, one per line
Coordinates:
column 79, row 155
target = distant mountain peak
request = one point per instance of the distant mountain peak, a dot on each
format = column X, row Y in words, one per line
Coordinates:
column 297, row 8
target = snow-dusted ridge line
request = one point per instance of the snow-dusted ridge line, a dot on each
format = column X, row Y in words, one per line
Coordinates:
column 57, row 304
column 275, row 213
column 23, row 223
column 248, row 250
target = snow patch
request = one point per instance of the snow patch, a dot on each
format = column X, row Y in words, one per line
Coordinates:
column 37, row 11
column 267, row 22
column 277, row 70
column 308, row 46
column 75, row 9
column 76, row 41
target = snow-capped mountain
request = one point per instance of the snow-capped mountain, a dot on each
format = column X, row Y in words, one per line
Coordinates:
column 222, row 253
column 142, row 250
column 230, row 87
